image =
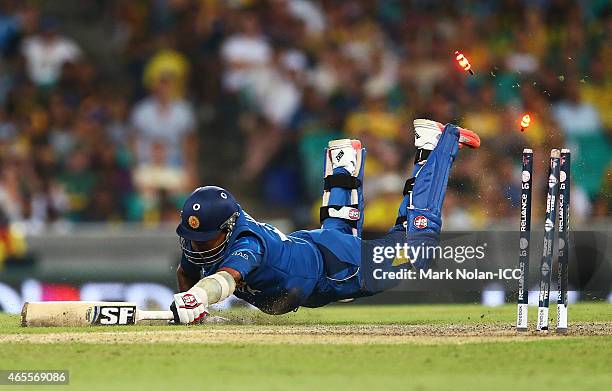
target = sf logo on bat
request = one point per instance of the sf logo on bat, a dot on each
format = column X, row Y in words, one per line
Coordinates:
column 111, row 315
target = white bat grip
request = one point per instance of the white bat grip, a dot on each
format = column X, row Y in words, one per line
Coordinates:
column 155, row 315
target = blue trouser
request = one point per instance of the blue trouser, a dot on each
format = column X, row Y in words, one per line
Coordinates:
column 348, row 259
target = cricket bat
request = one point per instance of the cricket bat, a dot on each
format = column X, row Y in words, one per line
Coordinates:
column 87, row 313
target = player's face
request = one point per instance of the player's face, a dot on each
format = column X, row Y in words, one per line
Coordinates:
column 209, row 244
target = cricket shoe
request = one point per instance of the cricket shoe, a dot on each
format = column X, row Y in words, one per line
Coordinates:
column 427, row 133
column 343, row 154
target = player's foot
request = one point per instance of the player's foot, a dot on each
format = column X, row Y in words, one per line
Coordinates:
column 427, row 133
column 343, row 154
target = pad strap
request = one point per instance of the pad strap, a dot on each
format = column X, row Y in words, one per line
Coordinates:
column 350, row 213
column 400, row 220
column 408, row 186
column 344, row 181
column 421, row 156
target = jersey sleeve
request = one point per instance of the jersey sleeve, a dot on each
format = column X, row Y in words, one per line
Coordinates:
column 245, row 255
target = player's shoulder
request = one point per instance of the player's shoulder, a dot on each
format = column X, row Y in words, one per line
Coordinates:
column 247, row 241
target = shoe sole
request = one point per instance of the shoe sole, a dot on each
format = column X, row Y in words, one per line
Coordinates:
column 467, row 137
column 345, row 142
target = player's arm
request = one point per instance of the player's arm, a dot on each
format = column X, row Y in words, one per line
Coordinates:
column 192, row 305
column 187, row 274
column 234, row 273
column 198, row 294
column 185, row 280
column 219, row 286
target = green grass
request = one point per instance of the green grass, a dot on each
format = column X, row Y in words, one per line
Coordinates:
column 573, row 362
column 546, row 364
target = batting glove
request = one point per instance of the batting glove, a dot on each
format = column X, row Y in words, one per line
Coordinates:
column 190, row 306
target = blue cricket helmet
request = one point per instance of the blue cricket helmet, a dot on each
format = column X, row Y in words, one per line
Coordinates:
column 207, row 212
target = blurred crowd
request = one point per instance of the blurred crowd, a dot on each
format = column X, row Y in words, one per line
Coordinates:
column 114, row 111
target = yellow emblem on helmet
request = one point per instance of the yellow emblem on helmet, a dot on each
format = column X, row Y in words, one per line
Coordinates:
column 194, row 222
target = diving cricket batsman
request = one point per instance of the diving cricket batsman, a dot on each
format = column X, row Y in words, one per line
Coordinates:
column 226, row 251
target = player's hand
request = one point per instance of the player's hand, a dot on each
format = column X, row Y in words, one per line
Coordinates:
column 190, row 306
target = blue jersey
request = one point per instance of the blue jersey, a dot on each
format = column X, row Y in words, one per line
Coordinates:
column 279, row 272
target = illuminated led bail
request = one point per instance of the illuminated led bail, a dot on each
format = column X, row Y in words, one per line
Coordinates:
column 525, row 122
column 463, row 62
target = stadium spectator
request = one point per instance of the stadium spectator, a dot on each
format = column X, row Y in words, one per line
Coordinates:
column 46, row 52
column 168, row 122
column 244, row 53
column 163, row 139
column 575, row 116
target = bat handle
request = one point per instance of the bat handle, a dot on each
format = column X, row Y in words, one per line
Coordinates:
column 155, row 315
